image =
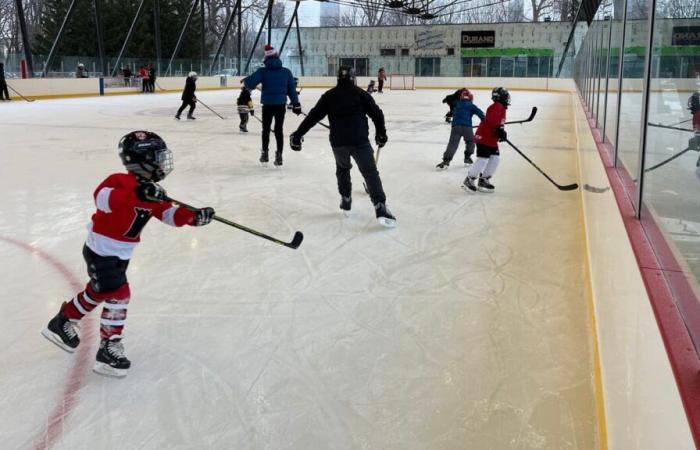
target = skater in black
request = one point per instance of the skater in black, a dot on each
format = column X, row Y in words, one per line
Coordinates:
column 347, row 107
column 3, row 84
column 151, row 78
column 245, row 107
column 188, row 97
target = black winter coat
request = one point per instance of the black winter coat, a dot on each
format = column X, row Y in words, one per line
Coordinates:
column 244, row 97
column 188, row 92
column 347, row 107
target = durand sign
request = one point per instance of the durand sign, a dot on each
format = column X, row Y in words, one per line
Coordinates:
column 686, row 36
column 472, row 39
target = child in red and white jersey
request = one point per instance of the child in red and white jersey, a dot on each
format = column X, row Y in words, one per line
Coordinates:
column 488, row 134
column 125, row 203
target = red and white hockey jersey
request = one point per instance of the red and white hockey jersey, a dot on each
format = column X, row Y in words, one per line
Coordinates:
column 116, row 225
column 486, row 132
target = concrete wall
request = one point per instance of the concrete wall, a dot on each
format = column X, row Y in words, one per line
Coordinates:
column 642, row 405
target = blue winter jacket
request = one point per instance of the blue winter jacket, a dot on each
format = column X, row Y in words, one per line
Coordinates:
column 464, row 110
column 277, row 83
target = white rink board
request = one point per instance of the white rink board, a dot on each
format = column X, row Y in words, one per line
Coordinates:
column 466, row 324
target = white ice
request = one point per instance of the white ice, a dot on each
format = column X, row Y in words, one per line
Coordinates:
column 464, row 327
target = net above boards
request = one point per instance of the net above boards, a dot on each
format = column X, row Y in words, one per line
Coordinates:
column 401, row 82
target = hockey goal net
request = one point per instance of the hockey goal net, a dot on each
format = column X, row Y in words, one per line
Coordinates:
column 399, row 82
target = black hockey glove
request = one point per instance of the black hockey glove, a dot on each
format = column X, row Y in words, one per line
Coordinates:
column 381, row 139
column 295, row 142
column 501, row 133
column 203, row 216
column 296, row 108
column 694, row 143
column 150, row 192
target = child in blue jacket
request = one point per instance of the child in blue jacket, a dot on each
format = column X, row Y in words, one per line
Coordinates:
column 461, row 129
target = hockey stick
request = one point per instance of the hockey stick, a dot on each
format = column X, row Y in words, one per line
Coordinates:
column 529, row 119
column 320, row 123
column 25, row 98
column 682, row 121
column 205, row 105
column 258, row 118
column 295, row 243
column 669, row 127
column 668, row 160
column 567, row 187
column 376, row 161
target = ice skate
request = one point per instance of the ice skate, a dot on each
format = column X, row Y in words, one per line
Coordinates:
column 111, row 360
column 264, row 158
column 62, row 332
column 191, row 117
column 468, row 161
column 278, row 159
column 485, row 186
column 243, row 129
column 345, row 205
column 444, row 165
column 384, row 216
column 177, row 116
column 469, row 184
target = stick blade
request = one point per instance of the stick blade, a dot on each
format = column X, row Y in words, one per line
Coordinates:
column 296, row 240
column 533, row 113
column 568, row 187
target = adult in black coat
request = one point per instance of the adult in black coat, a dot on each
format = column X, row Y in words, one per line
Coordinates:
column 3, row 84
column 347, row 107
column 188, row 97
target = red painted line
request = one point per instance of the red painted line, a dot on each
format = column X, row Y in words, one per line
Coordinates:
column 674, row 301
column 76, row 375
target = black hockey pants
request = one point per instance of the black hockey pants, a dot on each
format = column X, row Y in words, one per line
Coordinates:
column 185, row 103
column 270, row 112
column 3, row 90
column 364, row 157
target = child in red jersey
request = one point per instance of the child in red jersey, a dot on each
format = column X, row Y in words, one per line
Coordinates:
column 488, row 134
column 694, row 142
column 125, row 202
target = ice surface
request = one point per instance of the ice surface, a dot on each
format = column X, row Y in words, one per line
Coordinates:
column 464, row 327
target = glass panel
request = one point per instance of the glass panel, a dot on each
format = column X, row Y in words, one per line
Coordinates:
column 633, row 71
column 507, row 66
column 533, row 66
column 614, row 83
column 672, row 169
column 520, row 66
column 494, row 69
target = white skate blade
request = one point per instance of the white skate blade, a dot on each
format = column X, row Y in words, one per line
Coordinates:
column 441, row 169
column 486, row 191
column 51, row 337
column 345, row 213
column 264, row 164
column 388, row 223
column 109, row 371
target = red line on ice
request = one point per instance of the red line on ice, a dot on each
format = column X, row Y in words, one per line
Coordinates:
column 76, row 375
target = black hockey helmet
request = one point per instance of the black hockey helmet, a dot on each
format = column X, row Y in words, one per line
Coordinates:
column 145, row 154
column 346, row 74
column 501, row 95
column 694, row 102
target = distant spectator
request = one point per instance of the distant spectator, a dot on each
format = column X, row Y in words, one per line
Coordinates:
column 143, row 73
column 152, row 77
column 3, row 84
column 81, row 71
column 127, row 76
column 381, row 78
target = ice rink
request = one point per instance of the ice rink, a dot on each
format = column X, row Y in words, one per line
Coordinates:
column 467, row 326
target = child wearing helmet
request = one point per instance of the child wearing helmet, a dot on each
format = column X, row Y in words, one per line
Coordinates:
column 489, row 133
column 464, row 110
column 125, row 202
column 245, row 107
column 188, row 96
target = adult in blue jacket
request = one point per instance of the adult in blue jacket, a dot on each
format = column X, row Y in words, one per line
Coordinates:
column 277, row 84
column 461, row 129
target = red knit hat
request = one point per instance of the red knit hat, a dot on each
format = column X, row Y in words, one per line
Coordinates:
column 270, row 51
column 466, row 95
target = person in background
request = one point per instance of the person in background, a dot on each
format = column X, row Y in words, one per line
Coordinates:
column 81, row 71
column 127, row 76
column 151, row 78
column 143, row 73
column 188, row 96
column 371, row 88
column 381, row 78
column 245, row 107
column 4, row 94
column 277, row 84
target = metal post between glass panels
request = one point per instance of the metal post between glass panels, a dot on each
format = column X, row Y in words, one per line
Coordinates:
column 607, row 78
column 620, row 70
column 599, row 74
column 645, row 107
